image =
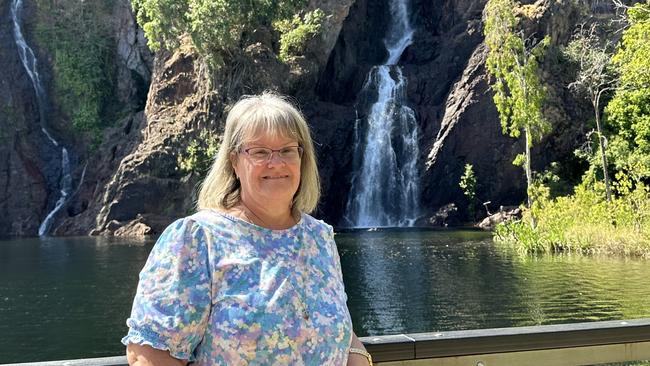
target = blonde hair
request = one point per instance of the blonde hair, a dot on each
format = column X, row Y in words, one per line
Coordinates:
column 252, row 116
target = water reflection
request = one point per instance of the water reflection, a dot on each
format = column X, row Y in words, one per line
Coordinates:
column 438, row 281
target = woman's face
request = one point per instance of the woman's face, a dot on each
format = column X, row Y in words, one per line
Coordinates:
column 272, row 181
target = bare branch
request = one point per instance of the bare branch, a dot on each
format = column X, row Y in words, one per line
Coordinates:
column 621, row 14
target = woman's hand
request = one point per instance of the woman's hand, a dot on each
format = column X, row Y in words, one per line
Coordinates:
column 355, row 359
column 138, row 355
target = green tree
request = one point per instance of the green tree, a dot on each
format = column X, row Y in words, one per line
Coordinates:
column 214, row 26
column 468, row 185
column 594, row 78
column 295, row 32
column 199, row 154
column 629, row 110
column 518, row 91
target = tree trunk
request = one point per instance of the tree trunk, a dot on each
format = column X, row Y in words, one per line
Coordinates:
column 529, row 177
column 603, row 157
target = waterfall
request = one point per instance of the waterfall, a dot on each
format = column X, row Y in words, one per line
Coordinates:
column 29, row 62
column 385, row 186
column 66, row 188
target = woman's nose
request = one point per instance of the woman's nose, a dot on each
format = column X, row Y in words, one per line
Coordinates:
column 275, row 159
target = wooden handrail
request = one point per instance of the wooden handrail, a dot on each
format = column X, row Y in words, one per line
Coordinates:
column 503, row 340
column 481, row 342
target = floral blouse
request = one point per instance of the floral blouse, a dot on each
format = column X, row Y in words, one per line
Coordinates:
column 217, row 290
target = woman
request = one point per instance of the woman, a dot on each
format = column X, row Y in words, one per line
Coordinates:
column 251, row 278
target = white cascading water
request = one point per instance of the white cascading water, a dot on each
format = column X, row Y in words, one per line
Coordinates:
column 28, row 60
column 385, row 186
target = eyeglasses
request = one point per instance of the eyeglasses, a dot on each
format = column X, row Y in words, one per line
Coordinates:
column 261, row 155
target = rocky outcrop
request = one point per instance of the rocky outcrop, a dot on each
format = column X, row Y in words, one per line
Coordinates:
column 448, row 89
column 470, row 131
column 32, row 164
column 134, row 59
column 504, row 214
column 146, row 190
column 138, row 183
column 447, row 215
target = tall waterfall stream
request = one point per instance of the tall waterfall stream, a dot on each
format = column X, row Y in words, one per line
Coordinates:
column 28, row 59
column 385, row 186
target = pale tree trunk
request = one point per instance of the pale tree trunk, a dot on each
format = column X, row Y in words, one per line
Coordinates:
column 601, row 148
column 529, row 177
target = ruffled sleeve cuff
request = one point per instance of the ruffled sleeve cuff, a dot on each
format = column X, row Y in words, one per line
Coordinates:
column 145, row 337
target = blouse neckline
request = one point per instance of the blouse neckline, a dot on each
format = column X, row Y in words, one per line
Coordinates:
column 257, row 227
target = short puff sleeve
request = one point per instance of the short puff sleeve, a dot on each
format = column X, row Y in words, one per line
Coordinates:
column 172, row 303
column 334, row 254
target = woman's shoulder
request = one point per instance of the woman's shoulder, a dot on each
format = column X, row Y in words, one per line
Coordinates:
column 208, row 217
column 317, row 225
column 204, row 220
column 195, row 232
column 323, row 235
column 312, row 221
column 212, row 217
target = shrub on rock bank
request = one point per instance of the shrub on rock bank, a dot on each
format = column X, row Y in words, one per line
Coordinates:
column 585, row 222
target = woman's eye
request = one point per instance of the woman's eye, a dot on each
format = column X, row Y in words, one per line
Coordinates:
column 287, row 151
column 258, row 153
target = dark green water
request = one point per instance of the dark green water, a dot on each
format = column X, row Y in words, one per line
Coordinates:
column 69, row 298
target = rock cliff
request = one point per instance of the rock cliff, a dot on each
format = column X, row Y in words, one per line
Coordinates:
column 25, row 159
column 132, row 184
column 142, row 189
column 448, row 89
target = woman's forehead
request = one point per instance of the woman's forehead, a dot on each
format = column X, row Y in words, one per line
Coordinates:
column 266, row 133
column 269, row 140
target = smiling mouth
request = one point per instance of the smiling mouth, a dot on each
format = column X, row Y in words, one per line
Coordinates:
column 271, row 177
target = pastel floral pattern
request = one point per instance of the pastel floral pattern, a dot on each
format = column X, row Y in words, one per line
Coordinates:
column 217, row 290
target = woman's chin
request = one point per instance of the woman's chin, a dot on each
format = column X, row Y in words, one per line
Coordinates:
column 279, row 195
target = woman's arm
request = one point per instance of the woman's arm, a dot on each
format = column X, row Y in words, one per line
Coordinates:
column 173, row 300
column 138, row 355
column 355, row 359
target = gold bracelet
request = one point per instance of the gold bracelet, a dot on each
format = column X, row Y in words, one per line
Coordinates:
column 361, row 352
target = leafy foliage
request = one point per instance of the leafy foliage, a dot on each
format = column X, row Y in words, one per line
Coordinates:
column 81, row 46
column 595, row 77
column 295, row 32
column 632, row 56
column 215, row 26
column 468, row 185
column 518, row 92
column 199, row 154
column 585, row 222
column 513, row 61
column 629, row 110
